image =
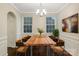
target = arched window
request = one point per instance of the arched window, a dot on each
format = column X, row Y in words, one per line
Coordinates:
column 50, row 24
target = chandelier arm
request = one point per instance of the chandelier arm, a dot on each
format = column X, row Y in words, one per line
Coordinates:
column 41, row 11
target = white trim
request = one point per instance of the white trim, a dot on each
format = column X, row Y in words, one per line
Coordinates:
column 70, row 36
column 4, row 54
column 3, row 37
column 34, row 12
column 23, row 25
column 62, row 8
column 15, row 7
column 3, row 40
column 52, row 24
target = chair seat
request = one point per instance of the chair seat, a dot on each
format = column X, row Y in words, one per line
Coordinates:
column 57, row 49
column 18, row 40
column 21, row 49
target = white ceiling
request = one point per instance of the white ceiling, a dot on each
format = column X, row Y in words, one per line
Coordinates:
column 32, row 7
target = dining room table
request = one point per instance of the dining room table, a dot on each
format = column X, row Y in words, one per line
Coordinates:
column 37, row 40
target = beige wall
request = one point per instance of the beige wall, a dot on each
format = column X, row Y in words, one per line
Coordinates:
column 39, row 22
column 4, row 9
column 71, row 39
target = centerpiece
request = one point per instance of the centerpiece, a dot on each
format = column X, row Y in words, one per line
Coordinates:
column 40, row 31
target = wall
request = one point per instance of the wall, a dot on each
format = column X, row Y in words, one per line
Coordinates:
column 39, row 22
column 71, row 39
column 4, row 9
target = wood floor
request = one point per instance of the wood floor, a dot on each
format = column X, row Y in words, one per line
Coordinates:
column 36, row 52
column 11, row 51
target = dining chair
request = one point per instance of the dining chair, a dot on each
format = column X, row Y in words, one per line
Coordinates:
column 21, row 51
column 57, row 50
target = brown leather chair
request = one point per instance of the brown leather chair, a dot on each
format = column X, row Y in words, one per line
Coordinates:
column 21, row 51
column 53, row 38
column 19, row 42
column 25, row 38
column 59, row 42
column 57, row 50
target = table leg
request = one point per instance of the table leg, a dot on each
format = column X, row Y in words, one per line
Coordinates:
column 31, row 50
column 25, row 52
column 48, row 51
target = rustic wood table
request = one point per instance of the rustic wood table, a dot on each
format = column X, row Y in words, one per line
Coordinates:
column 37, row 40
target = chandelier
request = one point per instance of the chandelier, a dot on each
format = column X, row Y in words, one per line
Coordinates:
column 41, row 11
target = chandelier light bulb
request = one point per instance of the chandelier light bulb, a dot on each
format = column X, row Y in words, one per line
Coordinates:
column 41, row 11
column 44, row 11
column 38, row 11
column 41, row 14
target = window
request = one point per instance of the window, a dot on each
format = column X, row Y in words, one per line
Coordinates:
column 27, row 24
column 50, row 24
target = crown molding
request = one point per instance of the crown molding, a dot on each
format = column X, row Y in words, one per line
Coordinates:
column 34, row 12
column 62, row 8
column 12, row 4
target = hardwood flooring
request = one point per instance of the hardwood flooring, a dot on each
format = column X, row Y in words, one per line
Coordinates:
column 37, row 51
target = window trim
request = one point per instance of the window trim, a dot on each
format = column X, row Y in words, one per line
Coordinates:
column 52, row 24
column 24, row 24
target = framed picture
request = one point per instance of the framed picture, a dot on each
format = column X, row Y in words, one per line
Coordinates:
column 70, row 24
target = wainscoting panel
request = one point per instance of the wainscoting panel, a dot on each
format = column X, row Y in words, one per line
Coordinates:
column 71, row 43
column 3, row 46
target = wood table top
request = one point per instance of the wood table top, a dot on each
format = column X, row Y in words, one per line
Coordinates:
column 39, row 40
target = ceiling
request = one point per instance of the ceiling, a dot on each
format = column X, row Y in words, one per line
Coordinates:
column 32, row 7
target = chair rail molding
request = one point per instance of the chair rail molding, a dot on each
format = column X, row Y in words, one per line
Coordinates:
column 3, row 46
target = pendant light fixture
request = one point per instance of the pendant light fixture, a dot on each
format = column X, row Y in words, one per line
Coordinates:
column 41, row 11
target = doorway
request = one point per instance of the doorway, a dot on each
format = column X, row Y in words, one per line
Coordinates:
column 11, row 29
